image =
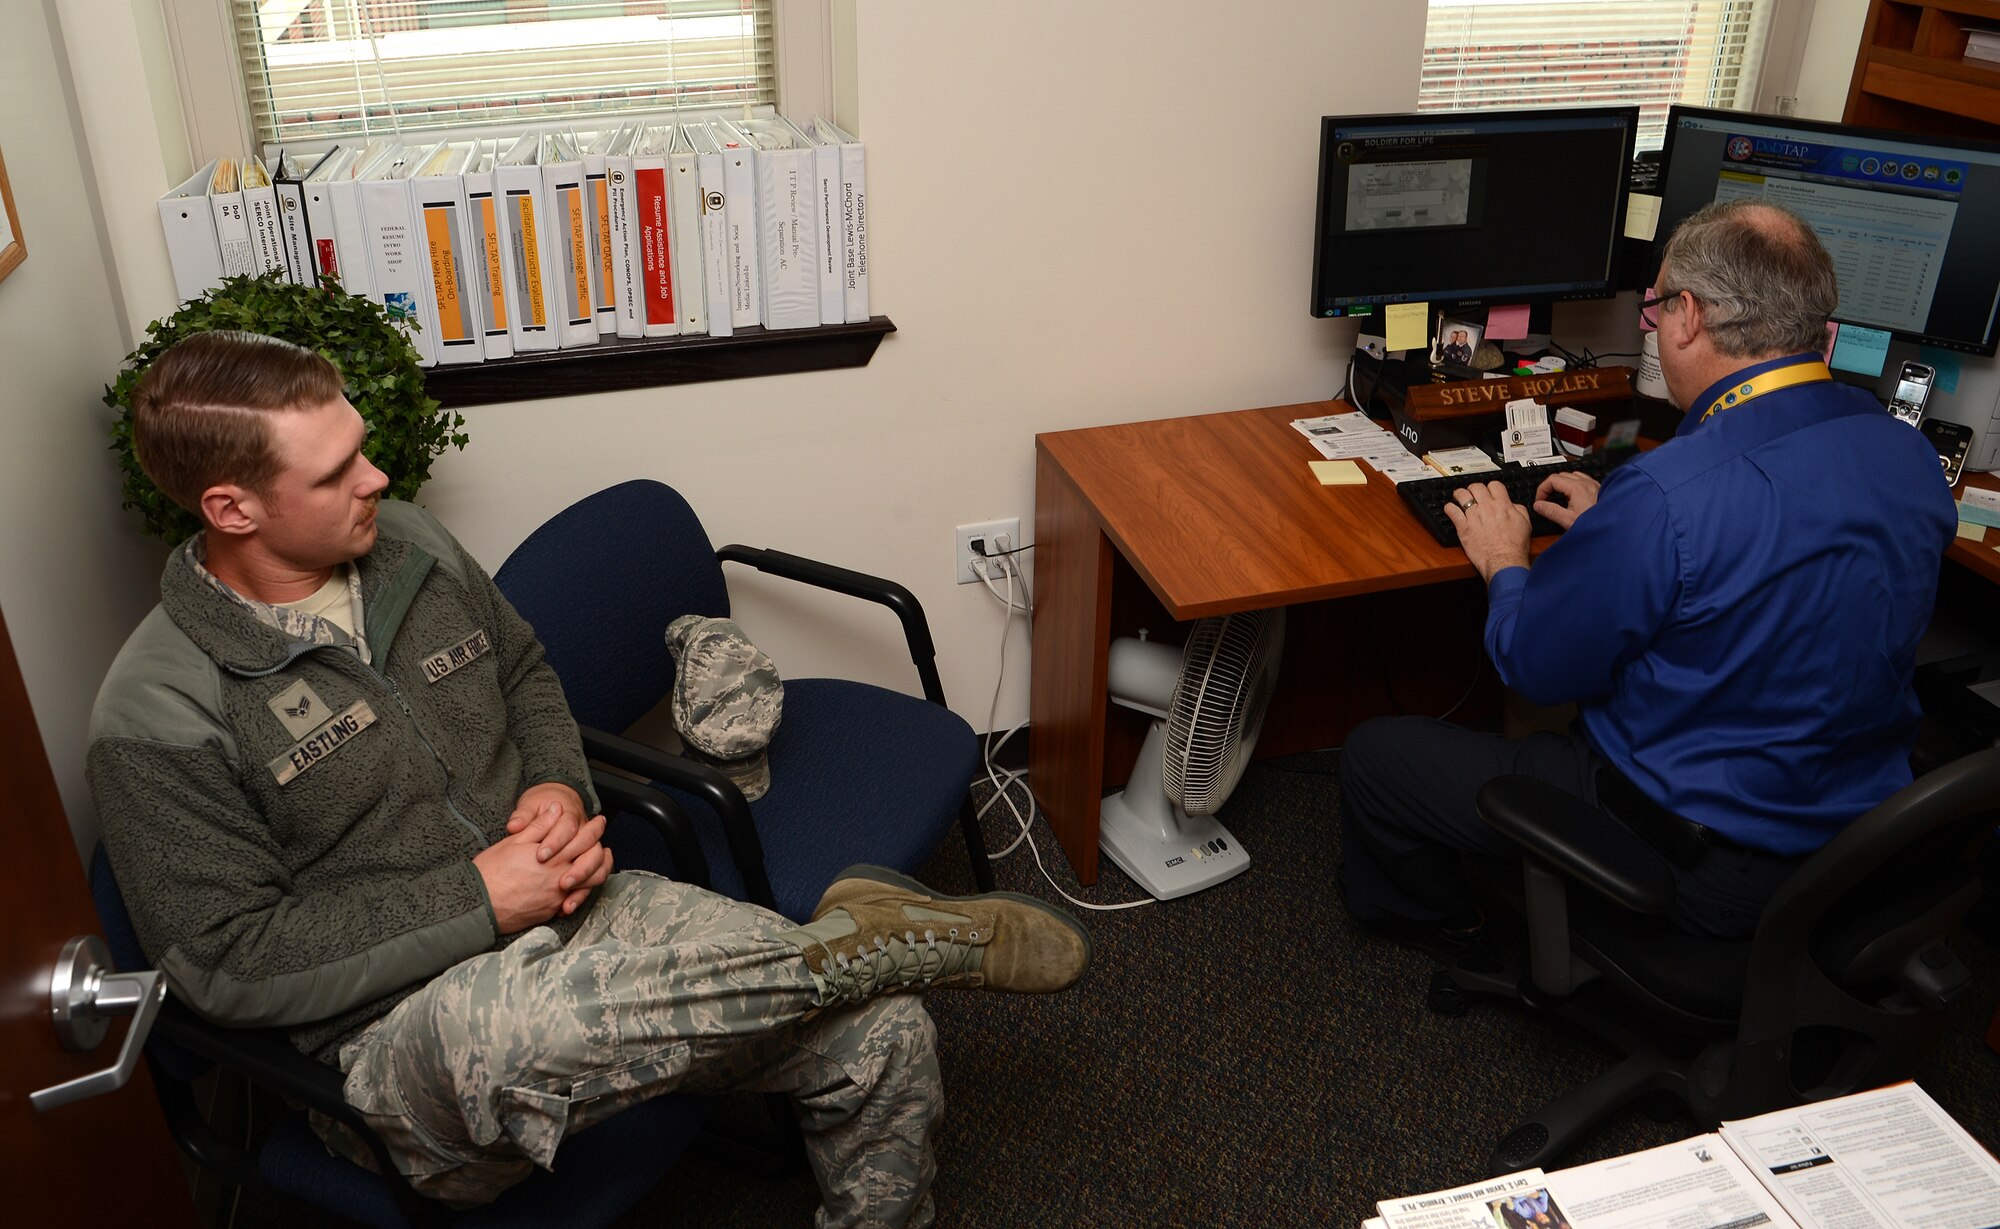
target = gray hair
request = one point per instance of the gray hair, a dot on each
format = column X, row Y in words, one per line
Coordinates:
column 1765, row 283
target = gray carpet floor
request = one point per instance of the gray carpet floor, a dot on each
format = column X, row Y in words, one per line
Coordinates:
column 1243, row 1057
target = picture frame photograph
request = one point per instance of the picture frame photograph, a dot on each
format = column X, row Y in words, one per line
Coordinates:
column 13, row 250
column 1456, row 342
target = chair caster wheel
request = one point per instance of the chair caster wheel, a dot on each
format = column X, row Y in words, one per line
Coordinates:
column 1447, row 997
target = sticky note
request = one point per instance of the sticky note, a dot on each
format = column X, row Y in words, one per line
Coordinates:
column 1945, row 363
column 1338, row 473
column 1642, row 216
column 1971, row 532
column 1860, row 350
column 1410, row 327
column 1507, row 323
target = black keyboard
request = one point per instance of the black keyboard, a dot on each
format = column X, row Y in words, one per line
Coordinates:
column 1428, row 496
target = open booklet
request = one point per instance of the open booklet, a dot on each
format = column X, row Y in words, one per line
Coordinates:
column 1887, row 1159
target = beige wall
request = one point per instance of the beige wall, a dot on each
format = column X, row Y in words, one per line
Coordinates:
column 1829, row 64
column 74, row 577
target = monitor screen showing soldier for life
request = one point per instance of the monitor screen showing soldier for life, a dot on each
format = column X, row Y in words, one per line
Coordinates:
column 1476, row 207
column 1909, row 220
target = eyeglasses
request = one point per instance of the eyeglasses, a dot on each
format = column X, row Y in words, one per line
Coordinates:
column 1650, row 318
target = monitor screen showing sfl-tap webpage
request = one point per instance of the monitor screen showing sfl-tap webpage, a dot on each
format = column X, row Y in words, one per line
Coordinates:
column 1912, row 221
column 1464, row 208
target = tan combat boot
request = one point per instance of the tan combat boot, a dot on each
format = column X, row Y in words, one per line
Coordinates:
column 876, row 931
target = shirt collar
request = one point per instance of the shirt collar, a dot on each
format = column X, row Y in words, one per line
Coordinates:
column 1692, row 419
column 297, row 624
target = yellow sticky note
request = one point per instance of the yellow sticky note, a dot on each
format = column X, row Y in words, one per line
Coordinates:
column 1409, row 326
column 1642, row 216
column 1971, row 532
column 1338, row 473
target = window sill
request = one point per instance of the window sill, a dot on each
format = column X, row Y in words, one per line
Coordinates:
column 616, row 363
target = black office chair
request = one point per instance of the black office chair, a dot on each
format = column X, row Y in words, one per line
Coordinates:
column 598, row 1173
column 1843, row 986
column 859, row 773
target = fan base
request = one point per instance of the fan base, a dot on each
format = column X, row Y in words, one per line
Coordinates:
column 1201, row 854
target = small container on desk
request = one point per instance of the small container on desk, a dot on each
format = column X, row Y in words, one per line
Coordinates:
column 1467, row 412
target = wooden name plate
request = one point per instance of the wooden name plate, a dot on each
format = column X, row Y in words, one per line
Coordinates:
column 1462, row 398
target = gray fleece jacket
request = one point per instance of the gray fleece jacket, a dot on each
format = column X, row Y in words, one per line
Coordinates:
column 292, row 828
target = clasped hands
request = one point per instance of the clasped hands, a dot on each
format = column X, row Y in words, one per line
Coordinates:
column 1494, row 530
column 549, row 862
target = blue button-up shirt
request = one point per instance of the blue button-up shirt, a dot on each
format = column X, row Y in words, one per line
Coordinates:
column 1738, row 616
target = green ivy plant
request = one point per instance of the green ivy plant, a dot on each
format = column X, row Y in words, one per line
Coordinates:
column 407, row 428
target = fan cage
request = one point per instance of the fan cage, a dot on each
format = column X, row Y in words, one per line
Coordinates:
column 1227, row 674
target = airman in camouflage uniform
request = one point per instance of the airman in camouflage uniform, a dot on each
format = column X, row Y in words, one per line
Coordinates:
column 344, row 797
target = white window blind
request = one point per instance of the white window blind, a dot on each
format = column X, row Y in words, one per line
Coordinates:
column 327, row 68
column 1483, row 54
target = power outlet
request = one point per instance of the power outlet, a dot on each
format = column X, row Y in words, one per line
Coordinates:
column 997, row 536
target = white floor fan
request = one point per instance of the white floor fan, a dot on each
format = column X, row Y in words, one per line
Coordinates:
column 1207, row 702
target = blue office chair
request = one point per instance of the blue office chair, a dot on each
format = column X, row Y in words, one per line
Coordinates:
column 858, row 773
column 598, row 1175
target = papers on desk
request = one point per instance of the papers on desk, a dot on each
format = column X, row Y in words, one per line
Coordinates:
column 1887, row 1159
column 1357, row 437
column 1452, row 462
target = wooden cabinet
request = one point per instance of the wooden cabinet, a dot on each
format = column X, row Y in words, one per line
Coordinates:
column 1911, row 73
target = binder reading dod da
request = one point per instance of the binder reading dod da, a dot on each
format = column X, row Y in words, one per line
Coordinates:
column 739, row 177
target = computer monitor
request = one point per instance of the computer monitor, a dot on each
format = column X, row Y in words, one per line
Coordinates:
column 1909, row 219
column 1463, row 208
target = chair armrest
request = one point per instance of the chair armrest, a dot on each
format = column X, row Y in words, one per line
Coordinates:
column 663, row 813
column 916, row 628
column 1580, row 841
column 270, row 1061
column 746, row 848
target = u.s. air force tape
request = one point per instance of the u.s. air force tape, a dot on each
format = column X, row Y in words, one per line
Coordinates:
column 451, row 657
column 331, row 736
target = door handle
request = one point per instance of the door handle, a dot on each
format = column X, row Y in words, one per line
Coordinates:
column 84, row 993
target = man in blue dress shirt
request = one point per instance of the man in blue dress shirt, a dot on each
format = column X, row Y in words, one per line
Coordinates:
column 1735, row 613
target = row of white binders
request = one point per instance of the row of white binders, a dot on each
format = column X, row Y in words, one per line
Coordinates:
column 551, row 240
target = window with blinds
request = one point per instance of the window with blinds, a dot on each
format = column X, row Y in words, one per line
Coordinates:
column 1481, row 54
column 329, row 68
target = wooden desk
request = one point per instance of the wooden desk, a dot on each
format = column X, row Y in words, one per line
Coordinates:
column 1979, row 557
column 1180, row 518
column 1214, row 514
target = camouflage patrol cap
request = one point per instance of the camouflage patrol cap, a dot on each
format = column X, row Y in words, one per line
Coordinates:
column 727, row 699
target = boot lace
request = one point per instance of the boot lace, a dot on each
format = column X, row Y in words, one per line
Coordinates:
column 895, row 962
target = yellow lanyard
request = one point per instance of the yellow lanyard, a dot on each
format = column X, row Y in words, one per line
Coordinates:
column 1769, row 382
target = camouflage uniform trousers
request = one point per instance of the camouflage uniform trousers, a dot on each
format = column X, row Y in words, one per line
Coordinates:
column 476, row 1078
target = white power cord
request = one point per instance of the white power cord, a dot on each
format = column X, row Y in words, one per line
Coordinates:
column 1003, row 783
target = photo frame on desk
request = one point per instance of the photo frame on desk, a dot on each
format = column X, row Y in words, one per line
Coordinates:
column 13, row 250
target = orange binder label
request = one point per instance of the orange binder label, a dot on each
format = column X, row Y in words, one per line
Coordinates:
column 454, row 313
column 602, row 203
column 496, row 293
column 527, row 259
column 571, row 196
